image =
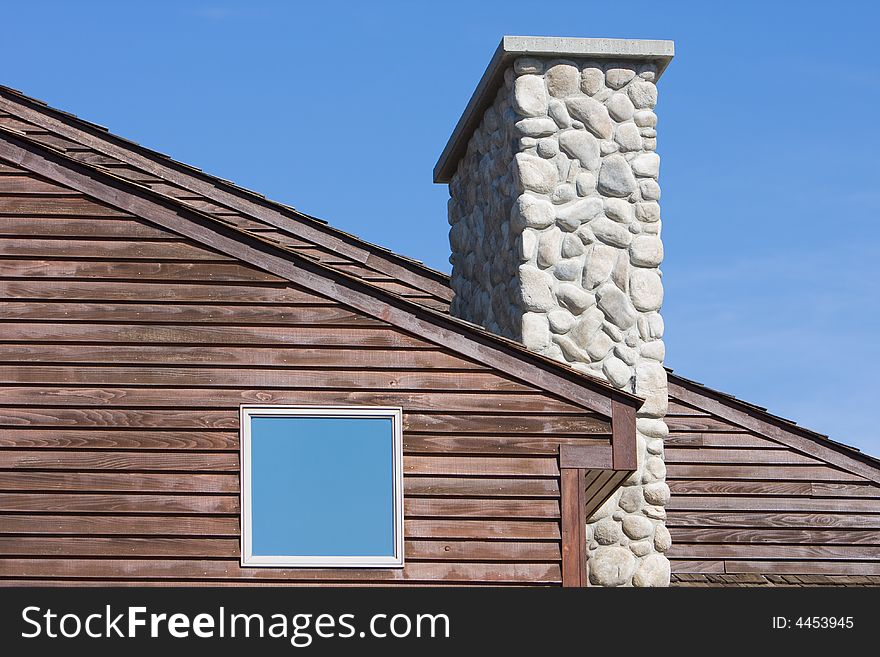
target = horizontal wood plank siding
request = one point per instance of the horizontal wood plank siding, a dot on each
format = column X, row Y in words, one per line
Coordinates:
column 124, row 355
column 745, row 504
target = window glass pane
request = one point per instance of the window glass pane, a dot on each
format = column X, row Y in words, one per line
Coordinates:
column 322, row 486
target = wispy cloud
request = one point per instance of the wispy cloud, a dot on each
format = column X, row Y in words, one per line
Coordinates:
column 211, row 12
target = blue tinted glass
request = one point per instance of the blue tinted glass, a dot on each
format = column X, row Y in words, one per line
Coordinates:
column 322, row 486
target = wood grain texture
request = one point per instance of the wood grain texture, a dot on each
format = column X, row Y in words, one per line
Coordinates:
column 745, row 502
column 433, row 327
column 767, row 472
column 571, row 486
column 803, row 537
column 122, row 270
column 760, row 519
column 513, row 572
column 730, row 503
column 246, row 367
column 81, row 248
column 417, row 402
column 195, row 290
column 480, row 487
column 123, row 366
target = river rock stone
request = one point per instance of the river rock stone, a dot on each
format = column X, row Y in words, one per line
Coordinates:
column 592, row 114
column 615, row 177
column 617, row 371
column 535, row 331
column 547, row 147
column 599, row 347
column 572, row 246
column 643, row 94
column 655, row 469
column 620, row 107
column 641, row 548
column 570, row 217
column 607, row 531
column 617, row 77
column 654, row 446
column 612, row 566
column 646, row 165
column 587, row 326
column 652, row 571
column 655, row 350
column 631, row 499
column 536, row 127
column 628, row 138
column 536, row 289
column 528, row 242
column 627, row 354
column 534, row 212
column 619, row 210
column 657, row 493
column 568, row 269
column 616, row 306
column 563, row 194
column 585, row 183
column 563, row 80
column 662, row 539
column 560, row 182
column 556, row 110
column 653, row 428
column 530, row 96
column 611, row 232
column 646, row 251
column 649, row 189
column 648, row 212
column 645, row 119
column 535, row 174
column 655, row 512
column 645, row 287
column 598, row 265
column 637, row 527
column 548, row 247
column 561, row 321
column 581, row 145
column 592, row 80
column 574, row 298
column 570, row 349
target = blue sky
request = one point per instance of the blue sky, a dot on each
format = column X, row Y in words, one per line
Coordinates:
column 770, row 176
column 339, row 502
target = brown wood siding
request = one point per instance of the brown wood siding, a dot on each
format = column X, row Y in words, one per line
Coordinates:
column 124, row 355
column 749, row 510
column 420, row 289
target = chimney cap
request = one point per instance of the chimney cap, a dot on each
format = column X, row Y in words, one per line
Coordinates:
column 512, row 47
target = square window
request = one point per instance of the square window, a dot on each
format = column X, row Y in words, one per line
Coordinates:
column 321, row 486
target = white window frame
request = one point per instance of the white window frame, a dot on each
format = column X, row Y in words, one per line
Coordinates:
column 250, row 411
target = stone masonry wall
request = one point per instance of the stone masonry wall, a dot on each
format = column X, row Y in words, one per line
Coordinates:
column 556, row 242
column 483, row 242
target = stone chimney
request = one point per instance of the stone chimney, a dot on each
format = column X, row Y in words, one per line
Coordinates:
column 555, row 236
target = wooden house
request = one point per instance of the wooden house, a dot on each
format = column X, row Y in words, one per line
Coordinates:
column 144, row 302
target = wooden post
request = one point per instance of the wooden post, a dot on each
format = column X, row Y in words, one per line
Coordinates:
column 574, row 549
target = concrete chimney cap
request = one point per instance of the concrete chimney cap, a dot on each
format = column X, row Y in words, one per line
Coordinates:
column 512, row 47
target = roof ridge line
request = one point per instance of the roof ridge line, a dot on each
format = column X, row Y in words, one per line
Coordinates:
column 290, row 256
column 160, row 159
